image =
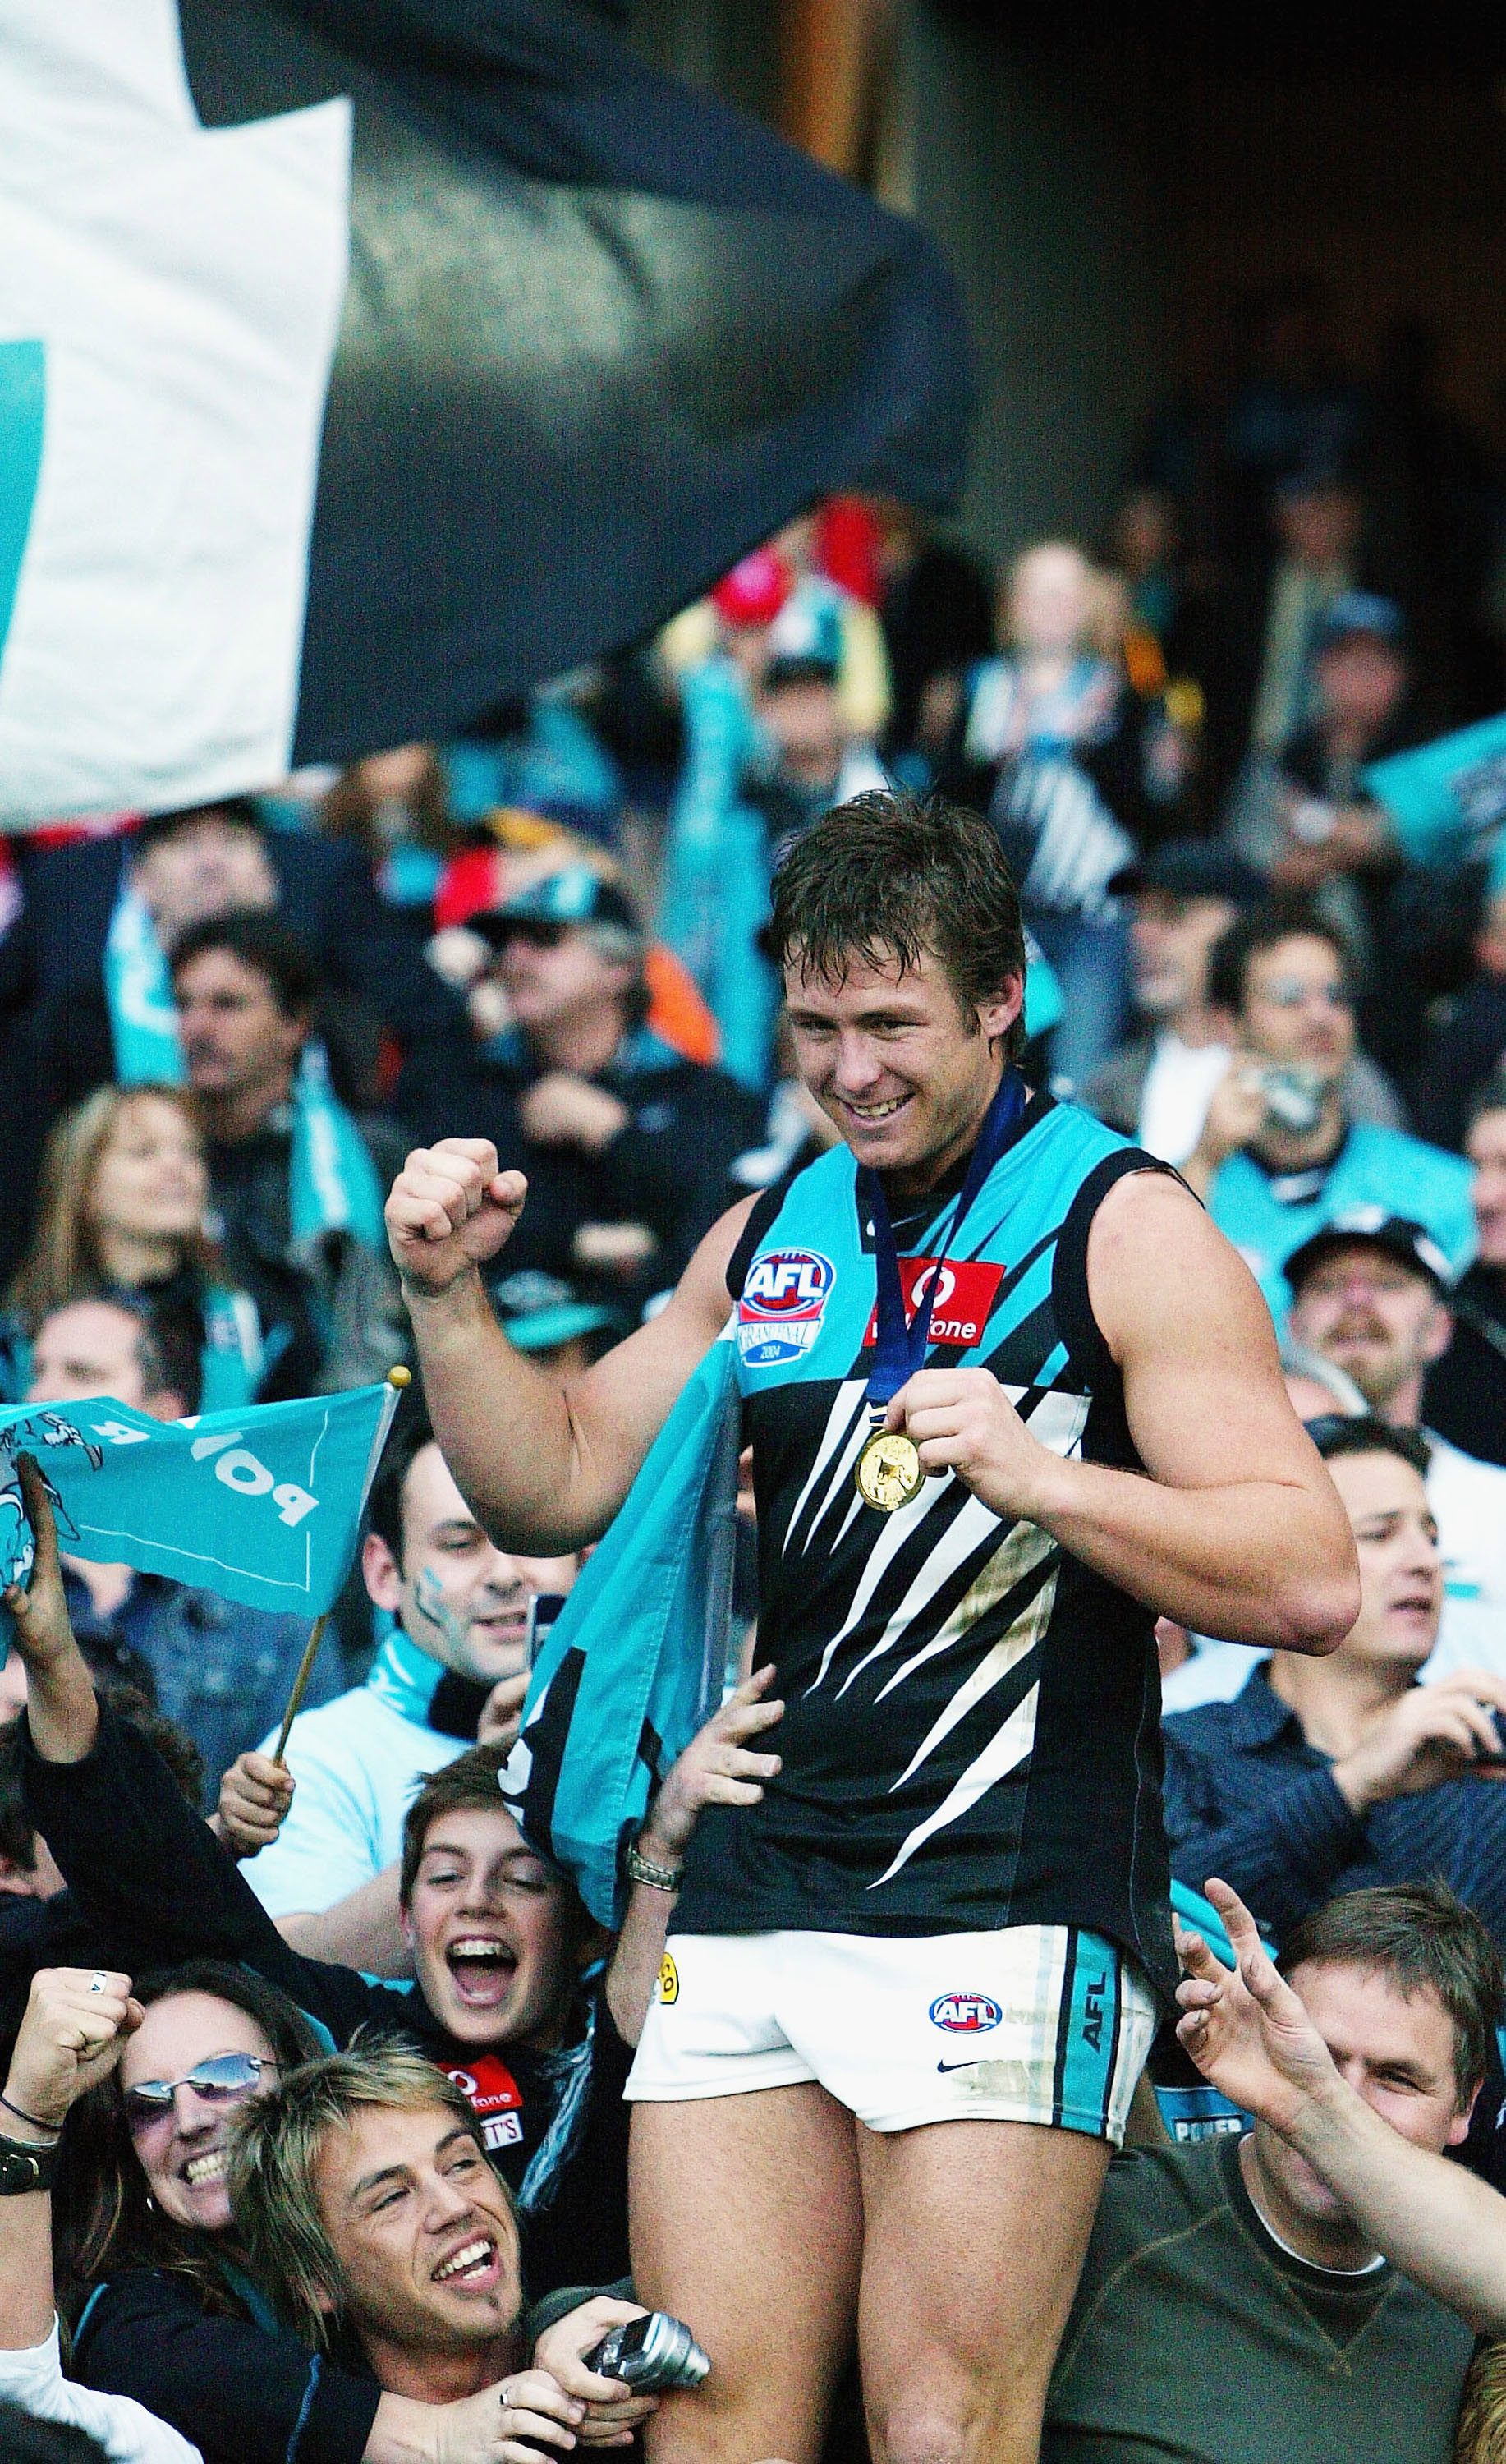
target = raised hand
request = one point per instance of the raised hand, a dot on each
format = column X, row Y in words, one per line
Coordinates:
column 450, row 1208
column 717, row 1767
column 1434, row 1732
column 72, row 2035
column 1245, row 2029
column 44, row 1635
column 502, row 1711
column 254, row 1797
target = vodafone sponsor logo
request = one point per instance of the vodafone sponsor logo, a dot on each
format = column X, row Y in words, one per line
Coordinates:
column 965, row 1292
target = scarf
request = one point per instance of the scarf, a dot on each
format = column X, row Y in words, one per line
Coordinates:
column 138, row 992
column 334, row 1184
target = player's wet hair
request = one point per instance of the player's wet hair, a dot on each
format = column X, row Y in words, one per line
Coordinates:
column 885, row 877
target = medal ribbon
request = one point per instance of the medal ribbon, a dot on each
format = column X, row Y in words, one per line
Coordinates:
column 899, row 1348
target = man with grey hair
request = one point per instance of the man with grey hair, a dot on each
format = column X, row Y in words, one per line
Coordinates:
column 627, row 1144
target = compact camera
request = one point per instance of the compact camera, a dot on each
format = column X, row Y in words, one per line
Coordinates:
column 649, row 2354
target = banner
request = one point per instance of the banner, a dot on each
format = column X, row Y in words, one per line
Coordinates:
column 1446, row 800
column 365, row 362
column 263, row 1504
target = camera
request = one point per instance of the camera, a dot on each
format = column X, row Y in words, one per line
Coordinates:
column 650, row 2353
column 1294, row 1098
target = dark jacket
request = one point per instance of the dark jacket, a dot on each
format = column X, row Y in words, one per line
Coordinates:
column 328, row 898
column 241, row 2394
column 222, row 1670
column 667, row 1169
column 135, row 1854
column 1465, row 1395
column 1248, row 1798
column 330, row 1314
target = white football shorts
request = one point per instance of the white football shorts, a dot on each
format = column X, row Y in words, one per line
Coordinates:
column 1045, row 2024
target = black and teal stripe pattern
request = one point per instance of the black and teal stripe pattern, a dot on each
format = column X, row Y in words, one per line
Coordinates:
column 972, row 1732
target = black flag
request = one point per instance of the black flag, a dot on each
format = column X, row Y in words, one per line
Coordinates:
column 601, row 335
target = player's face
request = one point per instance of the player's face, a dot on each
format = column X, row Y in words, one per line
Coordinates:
column 1396, row 2050
column 891, row 1058
column 493, row 1930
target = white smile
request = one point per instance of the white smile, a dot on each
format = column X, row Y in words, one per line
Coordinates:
column 205, row 2169
column 470, row 2261
column 874, row 1112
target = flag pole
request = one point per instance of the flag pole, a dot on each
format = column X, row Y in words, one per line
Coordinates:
column 397, row 1378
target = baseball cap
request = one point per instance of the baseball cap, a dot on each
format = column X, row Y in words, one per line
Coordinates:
column 540, row 1311
column 1360, row 611
column 805, row 636
column 1395, row 1236
column 574, row 895
column 1193, row 868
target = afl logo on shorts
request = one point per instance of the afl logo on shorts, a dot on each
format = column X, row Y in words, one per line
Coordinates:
column 964, row 2014
column 782, row 1306
column 668, row 1980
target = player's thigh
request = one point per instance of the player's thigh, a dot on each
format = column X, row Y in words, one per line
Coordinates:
column 747, row 2222
column 974, row 2238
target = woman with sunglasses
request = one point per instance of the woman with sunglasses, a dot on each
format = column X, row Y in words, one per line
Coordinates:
column 170, row 2318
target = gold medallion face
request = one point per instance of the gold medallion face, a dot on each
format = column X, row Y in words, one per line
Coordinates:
column 890, row 1472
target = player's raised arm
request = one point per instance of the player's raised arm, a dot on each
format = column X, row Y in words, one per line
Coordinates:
column 545, row 1462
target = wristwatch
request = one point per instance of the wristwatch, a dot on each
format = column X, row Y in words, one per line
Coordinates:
column 658, row 1877
column 24, row 2169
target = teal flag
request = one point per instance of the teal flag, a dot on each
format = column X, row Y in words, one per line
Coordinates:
column 635, row 1662
column 263, row 1504
column 1447, row 799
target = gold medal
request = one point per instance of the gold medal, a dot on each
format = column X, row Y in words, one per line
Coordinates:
column 890, row 1472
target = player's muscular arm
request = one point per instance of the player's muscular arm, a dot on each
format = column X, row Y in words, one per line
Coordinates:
column 1238, row 1531
column 544, row 1462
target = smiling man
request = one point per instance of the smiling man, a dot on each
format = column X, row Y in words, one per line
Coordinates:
column 510, row 1997
column 1312, row 2289
column 370, row 2213
column 459, row 1645
column 958, row 1563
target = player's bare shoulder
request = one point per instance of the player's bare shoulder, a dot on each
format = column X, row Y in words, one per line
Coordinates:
column 1155, row 1254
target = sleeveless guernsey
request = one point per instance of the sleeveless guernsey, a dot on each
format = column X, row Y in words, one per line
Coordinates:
column 972, row 1729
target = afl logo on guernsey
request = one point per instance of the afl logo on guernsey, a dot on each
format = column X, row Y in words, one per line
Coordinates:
column 964, row 2014
column 783, row 1303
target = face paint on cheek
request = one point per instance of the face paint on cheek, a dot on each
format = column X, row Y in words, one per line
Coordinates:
column 431, row 1605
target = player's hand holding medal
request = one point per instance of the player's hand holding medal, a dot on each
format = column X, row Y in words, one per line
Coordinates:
column 890, row 1472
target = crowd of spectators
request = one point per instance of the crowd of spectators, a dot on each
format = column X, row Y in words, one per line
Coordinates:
column 339, row 2057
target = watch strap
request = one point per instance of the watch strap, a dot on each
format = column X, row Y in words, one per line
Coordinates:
column 24, row 2169
column 658, row 1877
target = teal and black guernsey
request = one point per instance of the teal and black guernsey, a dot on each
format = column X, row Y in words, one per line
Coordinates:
column 971, row 1731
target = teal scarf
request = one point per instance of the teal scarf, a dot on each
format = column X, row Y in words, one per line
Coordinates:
column 334, row 1181
column 405, row 1678
column 137, row 989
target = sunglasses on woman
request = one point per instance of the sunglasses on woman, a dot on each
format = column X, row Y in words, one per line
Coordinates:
column 225, row 2079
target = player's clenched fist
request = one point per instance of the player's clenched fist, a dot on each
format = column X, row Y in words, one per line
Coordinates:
column 450, row 1208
